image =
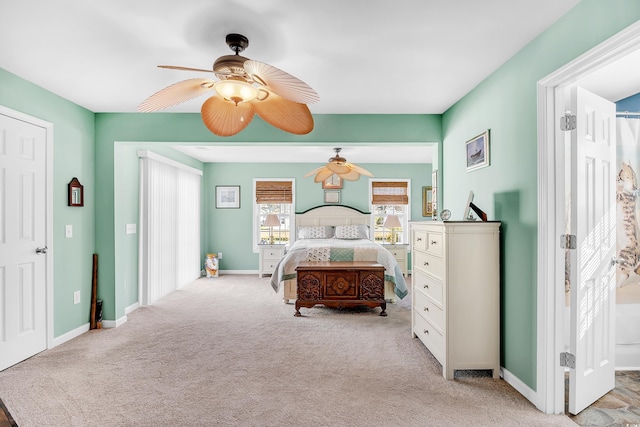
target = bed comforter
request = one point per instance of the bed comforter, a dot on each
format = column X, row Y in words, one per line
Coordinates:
column 339, row 250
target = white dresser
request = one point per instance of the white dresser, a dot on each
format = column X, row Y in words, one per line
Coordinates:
column 269, row 257
column 456, row 293
column 399, row 252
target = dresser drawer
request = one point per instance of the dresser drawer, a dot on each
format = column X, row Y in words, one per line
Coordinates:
column 420, row 240
column 268, row 266
column 272, row 254
column 434, row 243
column 429, row 264
column 429, row 335
column 427, row 308
column 429, row 286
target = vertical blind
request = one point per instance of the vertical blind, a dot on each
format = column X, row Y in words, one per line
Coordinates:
column 170, row 227
column 389, row 193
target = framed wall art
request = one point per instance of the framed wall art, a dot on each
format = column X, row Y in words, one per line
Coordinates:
column 227, row 196
column 332, row 196
column 477, row 150
column 427, row 201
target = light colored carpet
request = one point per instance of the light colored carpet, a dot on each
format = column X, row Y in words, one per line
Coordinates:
column 226, row 351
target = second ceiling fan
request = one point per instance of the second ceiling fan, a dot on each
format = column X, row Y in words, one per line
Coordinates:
column 338, row 165
column 245, row 87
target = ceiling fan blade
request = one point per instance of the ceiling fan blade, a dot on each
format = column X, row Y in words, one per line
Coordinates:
column 352, row 175
column 338, row 168
column 359, row 169
column 176, row 94
column 225, row 118
column 175, row 67
column 313, row 172
column 280, row 82
column 322, row 175
column 289, row 116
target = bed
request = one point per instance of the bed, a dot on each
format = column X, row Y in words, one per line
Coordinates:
column 335, row 233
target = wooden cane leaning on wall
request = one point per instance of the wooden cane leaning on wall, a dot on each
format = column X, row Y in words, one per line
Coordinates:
column 94, row 293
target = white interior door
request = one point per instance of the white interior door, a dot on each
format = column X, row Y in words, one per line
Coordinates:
column 23, row 216
column 592, row 273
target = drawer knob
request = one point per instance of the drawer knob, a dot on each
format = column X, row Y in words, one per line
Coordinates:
column 426, row 286
column 419, row 239
column 433, row 242
column 426, row 309
column 426, row 331
column 426, row 263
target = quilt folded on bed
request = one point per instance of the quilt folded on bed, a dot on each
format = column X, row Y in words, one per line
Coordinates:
column 339, row 250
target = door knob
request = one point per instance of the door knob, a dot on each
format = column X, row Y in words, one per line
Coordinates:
column 41, row 250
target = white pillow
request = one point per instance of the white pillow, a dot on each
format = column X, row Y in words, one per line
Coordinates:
column 315, row 232
column 352, row 232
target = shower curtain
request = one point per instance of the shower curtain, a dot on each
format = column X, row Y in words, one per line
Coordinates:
column 627, row 198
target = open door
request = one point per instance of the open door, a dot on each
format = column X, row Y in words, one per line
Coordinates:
column 593, row 219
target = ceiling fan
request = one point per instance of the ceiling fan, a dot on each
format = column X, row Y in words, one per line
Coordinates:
column 340, row 167
column 245, row 87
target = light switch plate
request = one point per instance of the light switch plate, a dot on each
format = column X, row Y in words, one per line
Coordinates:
column 68, row 231
column 130, row 229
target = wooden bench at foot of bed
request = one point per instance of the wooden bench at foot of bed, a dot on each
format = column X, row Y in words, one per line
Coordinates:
column 340, row 285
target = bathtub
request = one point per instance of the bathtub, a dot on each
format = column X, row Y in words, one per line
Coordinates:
column 627, row 336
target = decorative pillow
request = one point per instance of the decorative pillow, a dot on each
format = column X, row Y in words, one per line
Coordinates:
column 315, row 232
column 352, row 232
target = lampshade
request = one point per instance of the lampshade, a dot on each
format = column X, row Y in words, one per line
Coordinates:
column 236, row 90
column 272, row 220
column 392, row 221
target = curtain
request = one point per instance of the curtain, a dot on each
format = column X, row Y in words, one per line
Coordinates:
column 628, row 230
column 170, row 227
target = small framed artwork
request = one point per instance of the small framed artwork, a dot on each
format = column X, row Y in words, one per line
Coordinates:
column 227, row 196
column 332, row 196
column 333, row 182
column 427, row 201
column 477, row 149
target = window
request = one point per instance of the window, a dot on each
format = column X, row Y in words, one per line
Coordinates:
column 273, row 196
column 390, row 197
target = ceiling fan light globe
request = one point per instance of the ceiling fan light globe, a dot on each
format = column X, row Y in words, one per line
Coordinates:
column 236, row 91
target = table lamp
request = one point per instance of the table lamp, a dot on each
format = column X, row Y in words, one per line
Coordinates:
column 392, row 222
column 271, row 221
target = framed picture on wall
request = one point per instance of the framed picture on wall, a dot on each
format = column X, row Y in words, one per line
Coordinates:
column 427, row 201
column 333, row 182
column 332, row 196
column 477, row 149
column 227, row 196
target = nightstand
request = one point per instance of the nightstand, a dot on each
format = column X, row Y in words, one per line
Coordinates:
column 269, row 257
column 399, row 252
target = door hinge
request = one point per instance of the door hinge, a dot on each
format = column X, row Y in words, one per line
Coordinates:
column 568, row 122
column 568, row 241
column 568, row 360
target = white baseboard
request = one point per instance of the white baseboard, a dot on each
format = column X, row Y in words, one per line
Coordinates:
column 520, row 387
column 107, row 324
column 239, row 272
column 131, row 308
column 71, row 335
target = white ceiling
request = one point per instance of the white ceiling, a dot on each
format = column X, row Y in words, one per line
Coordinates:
column 380, row 56
column 376, row 57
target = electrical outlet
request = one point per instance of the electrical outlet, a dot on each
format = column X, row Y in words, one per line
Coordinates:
column 76, row 297
column 219, row 255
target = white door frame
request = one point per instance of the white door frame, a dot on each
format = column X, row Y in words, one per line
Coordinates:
column 552, row 102
column 48, row 127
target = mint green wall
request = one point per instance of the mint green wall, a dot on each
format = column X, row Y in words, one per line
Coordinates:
column 228, row 230
column 73, row 155
column 114, row 209
column 506, row 103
